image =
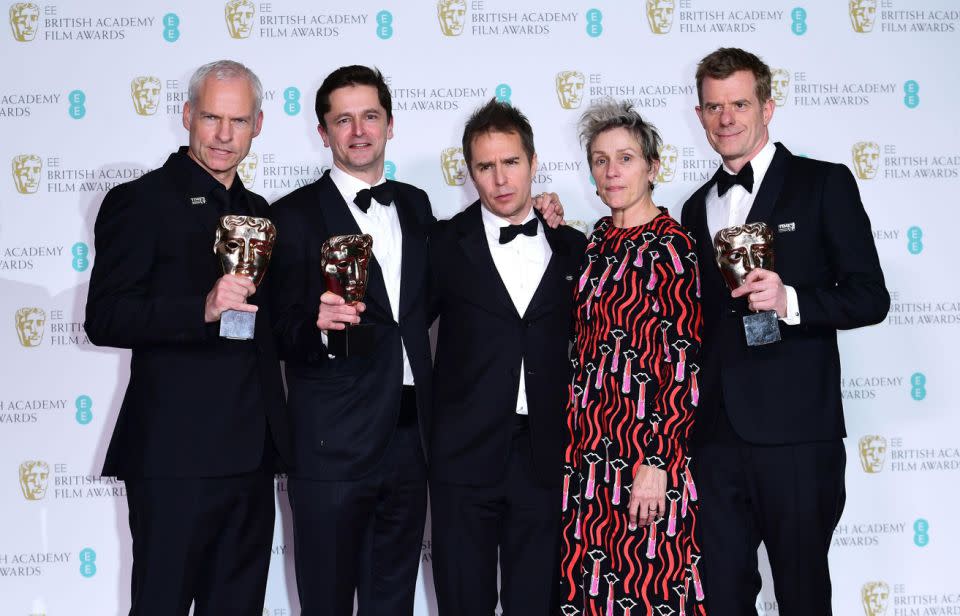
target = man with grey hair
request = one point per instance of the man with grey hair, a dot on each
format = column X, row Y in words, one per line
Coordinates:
column 202, row 425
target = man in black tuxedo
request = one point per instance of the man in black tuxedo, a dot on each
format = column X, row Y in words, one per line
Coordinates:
column 359, row 490
column 503, row 287
column 202, row 421
column 770, row 461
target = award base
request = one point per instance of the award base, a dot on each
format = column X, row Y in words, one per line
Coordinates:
column 761, row 328
column 354, row 341
column 237, row 325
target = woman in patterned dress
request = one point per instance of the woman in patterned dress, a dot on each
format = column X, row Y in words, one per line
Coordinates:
column 629, row 499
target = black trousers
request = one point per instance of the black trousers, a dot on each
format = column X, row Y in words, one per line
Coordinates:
column 517, row 519
column 790, row 497
column 363, row 535
column 201, row 540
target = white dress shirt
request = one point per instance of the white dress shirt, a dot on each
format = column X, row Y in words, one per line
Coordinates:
column 732, row 210
column 521, row 264
column 383, row 224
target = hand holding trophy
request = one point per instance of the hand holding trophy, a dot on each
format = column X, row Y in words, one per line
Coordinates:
column 244, row 245
column 344, row 259
column 740, row 250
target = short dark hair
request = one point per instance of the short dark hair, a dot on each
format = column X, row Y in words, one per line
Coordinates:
column 500, row 118
column 728, row 60
column 353, row 75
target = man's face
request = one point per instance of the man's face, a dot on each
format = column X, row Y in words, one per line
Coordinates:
column 866, row 159
column 30, row 322
column 570, row 89
column 23, row 20
column 620, row 171
column 502, row 174
column 454, row 166
column 779, row 86
column 740, row 250
column 247, row 170
column 873, row 450
column 451, row 14
column 240, row 18
column 26, row 173
column 222, row 126
column 146, row 95
column 734, row 120
column 660, row 15
column 357, row 131
column 33, row 479
column 668, row 163
column 863, row 14
column 244, row 245
column 344, row 261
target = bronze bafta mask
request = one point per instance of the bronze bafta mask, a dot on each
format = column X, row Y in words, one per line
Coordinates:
column 344, row 259
column 741, row 249
column 244, row 245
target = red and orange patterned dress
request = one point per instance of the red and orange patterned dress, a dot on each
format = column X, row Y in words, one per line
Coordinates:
column 632, row 399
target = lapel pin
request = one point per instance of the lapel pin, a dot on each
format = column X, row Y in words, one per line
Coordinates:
column 198, row 200
column 787, row 226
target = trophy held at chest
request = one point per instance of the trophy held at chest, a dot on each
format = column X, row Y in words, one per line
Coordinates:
column 244, row 245
column 739, row 250
column 344, row 259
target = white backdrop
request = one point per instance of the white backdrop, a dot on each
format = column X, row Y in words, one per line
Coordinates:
column 876, row 74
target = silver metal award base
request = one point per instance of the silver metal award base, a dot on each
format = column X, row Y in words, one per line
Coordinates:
column 761, row 328
column 237, row 325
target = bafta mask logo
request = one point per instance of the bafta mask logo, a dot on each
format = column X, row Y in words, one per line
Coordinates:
column 570, row 88
column 344, row 259
column 780, row 86
column 873, row 452
column 244, row 245
column 863, row 14
column 660, row 15
column 668, row 163
column 145, row 92
column 33, row 479
column 26, row 173
column 452, row 15
column 866, row 159
column 742, row 249
column 454, row 166
column 875, row 596
column 24, row 17
column 30, row 323
column 247, row 170
column 239, row 15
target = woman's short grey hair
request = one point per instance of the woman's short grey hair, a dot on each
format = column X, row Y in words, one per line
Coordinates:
column 609, row 114
column 222, row 70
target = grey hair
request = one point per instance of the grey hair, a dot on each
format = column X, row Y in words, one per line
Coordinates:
column 608, row 114
column 222, row 70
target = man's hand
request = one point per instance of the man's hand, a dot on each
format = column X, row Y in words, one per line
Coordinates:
column 549, row 206
column 765, row 291
column 648, row 496
column 230, row 292
column 334, row 312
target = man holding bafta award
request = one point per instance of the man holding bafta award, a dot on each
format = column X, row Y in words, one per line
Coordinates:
column 770, row 424
column 180, row 253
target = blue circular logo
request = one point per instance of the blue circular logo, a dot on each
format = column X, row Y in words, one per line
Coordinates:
column 921, row 529
column 594, row 25
column 915, row 243
column 385, row 18
column 918, row 386
column 911, row 91
column 88, row 566
column 503, row 93
column 799, row 21
column 171, row 30
column 84, row 406
column 291, row 96
column 80, row 253
column 384, row 25
column 77, row 107
column 389, row 170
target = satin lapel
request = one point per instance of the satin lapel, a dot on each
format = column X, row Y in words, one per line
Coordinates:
column 473, row 242
column 413, row 262
column 341, row 222
column 769, row 190
column 551, row 283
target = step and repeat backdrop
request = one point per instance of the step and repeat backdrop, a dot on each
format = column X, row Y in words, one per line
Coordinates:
column 92, row 95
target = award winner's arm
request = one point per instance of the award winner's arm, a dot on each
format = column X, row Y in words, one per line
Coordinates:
column 121, row 309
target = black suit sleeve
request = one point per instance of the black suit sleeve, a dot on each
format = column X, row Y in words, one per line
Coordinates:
column 859, row 296
column 122, row 310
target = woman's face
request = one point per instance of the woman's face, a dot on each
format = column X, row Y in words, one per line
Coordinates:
column 622, row 175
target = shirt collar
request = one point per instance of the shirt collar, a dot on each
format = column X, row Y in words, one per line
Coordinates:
column 197, row 180
column 493, row 223
column 760, row 162
column 349, row 186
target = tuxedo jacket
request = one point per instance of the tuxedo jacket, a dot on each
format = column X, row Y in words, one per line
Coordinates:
column 345, row 409
column 196, row 405
column 789, row 391
column 481, row 341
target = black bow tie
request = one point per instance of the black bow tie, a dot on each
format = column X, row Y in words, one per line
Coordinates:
column 508, row 233
column 383, row 193
column 725, row 181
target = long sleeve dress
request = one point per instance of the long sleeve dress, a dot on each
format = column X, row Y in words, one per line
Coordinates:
column 632, row 398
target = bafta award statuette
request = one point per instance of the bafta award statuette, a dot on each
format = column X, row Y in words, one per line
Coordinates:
column 740, row 250
column 344, row 259
column 244, row 245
